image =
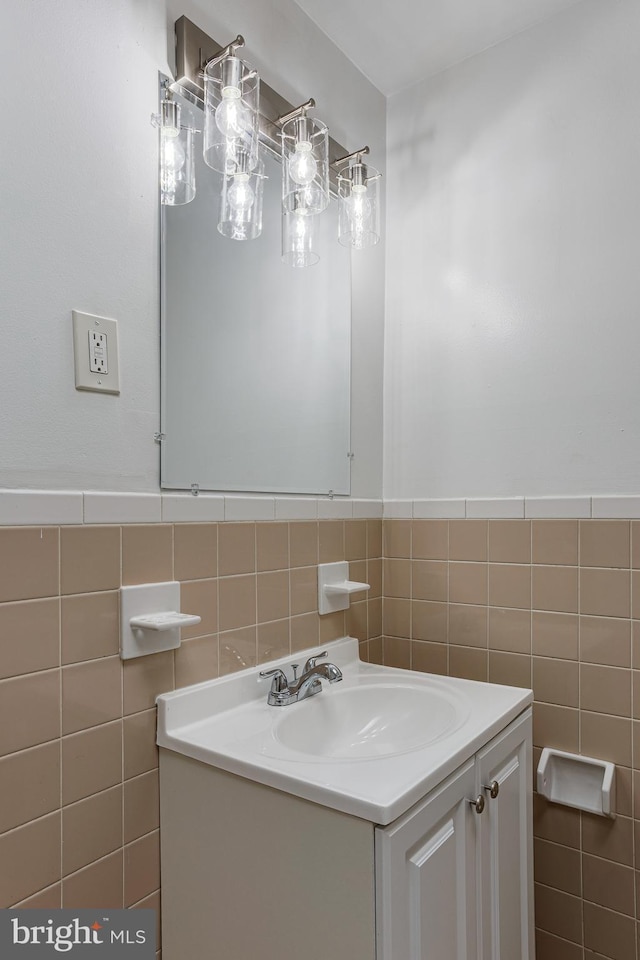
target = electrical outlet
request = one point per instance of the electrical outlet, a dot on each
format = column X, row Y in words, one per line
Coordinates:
column 98, row 352
column 95, row 348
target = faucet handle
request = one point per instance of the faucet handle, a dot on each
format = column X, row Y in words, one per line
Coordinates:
column 311, row 662
column 279, row 682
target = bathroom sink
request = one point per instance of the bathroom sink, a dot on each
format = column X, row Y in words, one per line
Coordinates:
column 372, row 720
column 370, row 745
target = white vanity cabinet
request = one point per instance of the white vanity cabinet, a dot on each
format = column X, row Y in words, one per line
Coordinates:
column 251, row 871
column 454, row 874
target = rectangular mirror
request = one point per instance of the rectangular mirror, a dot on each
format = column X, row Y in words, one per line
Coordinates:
column 256, row 354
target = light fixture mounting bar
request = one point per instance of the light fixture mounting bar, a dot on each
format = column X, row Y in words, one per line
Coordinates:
column 228, row 51
column 356, row 155
column 194, row 48
column 300, row 111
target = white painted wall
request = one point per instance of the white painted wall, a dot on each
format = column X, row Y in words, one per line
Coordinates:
column 513, row 279
column 79, row 223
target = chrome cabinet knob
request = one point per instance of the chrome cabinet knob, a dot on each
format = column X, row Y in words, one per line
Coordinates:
column 493, row 789
column 478, row 803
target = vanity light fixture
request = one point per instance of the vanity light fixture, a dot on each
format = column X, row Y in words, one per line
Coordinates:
column 231, row 110
column 358, row 202
column 228, row 88
column 177, row 168
column 305, row 162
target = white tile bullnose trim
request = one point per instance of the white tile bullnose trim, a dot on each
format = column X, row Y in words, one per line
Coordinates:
column 507, row 509
column 296, row 508
column 623, row 508
column 340, row 509
column 398, row 509
column 557, row 508
column 439, row 509
column 249, row 508
column 122, row 508
column 367, row 509
column 40, row 507
column 183, row 507
column 25, row 507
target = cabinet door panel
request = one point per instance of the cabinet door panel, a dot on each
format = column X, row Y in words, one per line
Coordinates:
column 506, row 847
column 426, row 878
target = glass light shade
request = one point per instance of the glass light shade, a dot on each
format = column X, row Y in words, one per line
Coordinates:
column 231, row 105
column 299, row 239
column 305, row 166
column 359, row 206
column 177, row 166
column 241, row 204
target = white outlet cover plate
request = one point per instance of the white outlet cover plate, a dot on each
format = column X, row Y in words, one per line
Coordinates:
column 83, row 325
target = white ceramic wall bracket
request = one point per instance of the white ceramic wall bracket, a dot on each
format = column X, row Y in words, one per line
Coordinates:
column 576, row 781
column 149, row 619
column 335, row 588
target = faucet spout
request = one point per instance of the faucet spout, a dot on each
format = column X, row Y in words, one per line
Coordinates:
column 309, row 682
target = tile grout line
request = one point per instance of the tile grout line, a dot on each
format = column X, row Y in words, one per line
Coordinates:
column 581, row 816
column 448, row 623
column 122, row 702
column 383, row 550
column 173, row 658
column 411, row 608
column 60, row 694
column 486, row 613
column 634, row 823
column 217, row 589
column 255, row 577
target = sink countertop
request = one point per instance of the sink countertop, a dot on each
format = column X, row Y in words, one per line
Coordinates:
column 227, row 723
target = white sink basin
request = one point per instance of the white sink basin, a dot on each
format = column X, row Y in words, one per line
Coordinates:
column 374, row 720
column 371, row 745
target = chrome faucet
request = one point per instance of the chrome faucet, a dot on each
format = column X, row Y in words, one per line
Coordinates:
column 281, row 694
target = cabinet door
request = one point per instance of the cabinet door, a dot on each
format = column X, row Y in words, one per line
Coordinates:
column 506, row 854
column 426, row 877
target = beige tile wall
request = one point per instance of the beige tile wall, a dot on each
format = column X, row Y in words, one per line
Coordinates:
column 78, row 762
column 548, row 604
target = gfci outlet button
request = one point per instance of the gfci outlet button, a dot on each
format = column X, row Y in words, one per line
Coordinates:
column 95, row 348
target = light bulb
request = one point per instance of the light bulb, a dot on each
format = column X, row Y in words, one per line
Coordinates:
column 299, row 254
column 232, row 117
column 173, row 156
column 302, row 164
column 358, row 209
column 299, row 229
column 240, row 195
column 173, row 159
column 299, row 237
column 358, row 206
